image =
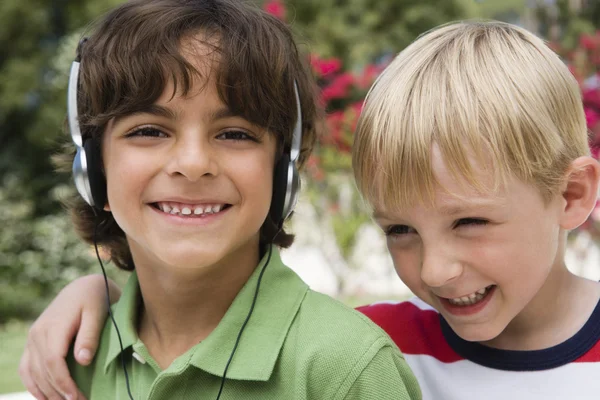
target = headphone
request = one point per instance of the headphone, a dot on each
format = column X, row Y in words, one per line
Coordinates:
column 91, row 183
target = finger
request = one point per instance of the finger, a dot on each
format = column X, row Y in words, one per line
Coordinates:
column 88, row 336
column 27, row 379
column 54, row 352
column 42, row 381
column 60, row 378
column 48, row 366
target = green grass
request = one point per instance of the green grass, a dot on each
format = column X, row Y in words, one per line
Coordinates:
column 12, row 341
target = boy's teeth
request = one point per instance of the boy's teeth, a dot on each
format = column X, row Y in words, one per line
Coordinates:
column 471, row 299
column 189, row 210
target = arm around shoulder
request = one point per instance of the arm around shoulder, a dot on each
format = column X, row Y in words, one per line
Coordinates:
column 384, row 375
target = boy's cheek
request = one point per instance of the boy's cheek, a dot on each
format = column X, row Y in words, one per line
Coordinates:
column 408, row 267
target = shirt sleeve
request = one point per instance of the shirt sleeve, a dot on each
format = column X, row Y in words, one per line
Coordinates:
column 387, row 376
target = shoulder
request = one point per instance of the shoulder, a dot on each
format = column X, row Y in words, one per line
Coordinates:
column 403, row 318
column 347, row 352
column 414, row 326
column 323, row 313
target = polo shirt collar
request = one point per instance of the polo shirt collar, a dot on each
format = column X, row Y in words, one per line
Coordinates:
column 279, row 298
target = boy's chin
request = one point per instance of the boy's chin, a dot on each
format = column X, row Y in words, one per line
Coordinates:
column 187, row 263
column 481, row 333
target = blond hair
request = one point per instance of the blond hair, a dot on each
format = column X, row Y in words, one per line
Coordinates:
column 486, row 94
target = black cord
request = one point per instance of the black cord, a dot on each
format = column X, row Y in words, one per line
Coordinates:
column 237, row 341
column 110, row 313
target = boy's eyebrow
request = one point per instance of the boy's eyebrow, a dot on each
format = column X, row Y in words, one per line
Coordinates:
column 451, row 209
column 222, row 113
column 166, row 112
column 378, row 214
column 152, row 109
column 454, row 209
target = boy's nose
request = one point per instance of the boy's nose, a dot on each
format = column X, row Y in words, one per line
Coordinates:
column 438, row 268
column 193, row 160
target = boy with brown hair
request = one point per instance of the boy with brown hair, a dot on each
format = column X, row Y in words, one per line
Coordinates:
column 190, row 119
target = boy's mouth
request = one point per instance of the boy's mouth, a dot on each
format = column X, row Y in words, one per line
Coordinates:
column 190, row 210
column 472, row 298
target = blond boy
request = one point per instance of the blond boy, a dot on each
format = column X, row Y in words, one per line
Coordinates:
column 472, row 150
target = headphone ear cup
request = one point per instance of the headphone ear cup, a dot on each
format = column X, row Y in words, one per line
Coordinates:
column 280, row 179
column 95, row 174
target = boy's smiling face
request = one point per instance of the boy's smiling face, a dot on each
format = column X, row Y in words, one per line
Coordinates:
column 189, row 183
column 478, row 258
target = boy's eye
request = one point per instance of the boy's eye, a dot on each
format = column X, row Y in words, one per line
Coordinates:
column 147, row 131
column 236, row 135
column 470, row 221
column 397, row 230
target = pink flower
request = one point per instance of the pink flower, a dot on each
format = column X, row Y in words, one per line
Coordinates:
column 588, row 42
column 324, row 67
column 338, row 88
column 335, row 120
column 275, row 8
column 368, row 76
column 591, row 98
column 591, row 117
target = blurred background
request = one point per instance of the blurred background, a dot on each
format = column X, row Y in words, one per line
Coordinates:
column 338, row 249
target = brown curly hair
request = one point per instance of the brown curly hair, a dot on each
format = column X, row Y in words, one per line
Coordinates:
column 134, row 51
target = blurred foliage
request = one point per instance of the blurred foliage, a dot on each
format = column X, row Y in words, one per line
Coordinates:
column 563, row 21
column 359, row 31
column 32, row 101
column 39, row 252
column 37, row 255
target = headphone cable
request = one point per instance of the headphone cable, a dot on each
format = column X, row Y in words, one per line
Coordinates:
column 110, row 313
column 237, row 341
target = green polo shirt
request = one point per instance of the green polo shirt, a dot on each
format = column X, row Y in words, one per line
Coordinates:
column 299, row 344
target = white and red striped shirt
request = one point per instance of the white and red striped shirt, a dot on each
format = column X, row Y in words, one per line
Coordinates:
column 450, row 368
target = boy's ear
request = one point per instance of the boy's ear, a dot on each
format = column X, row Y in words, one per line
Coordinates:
column 107, row 207
column 579, row 192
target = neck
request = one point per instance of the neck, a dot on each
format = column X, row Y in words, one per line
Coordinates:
column 179, row 311
column 557, row 312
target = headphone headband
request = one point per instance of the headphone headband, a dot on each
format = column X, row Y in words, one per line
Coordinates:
column 297, row 134
column 72, row 111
